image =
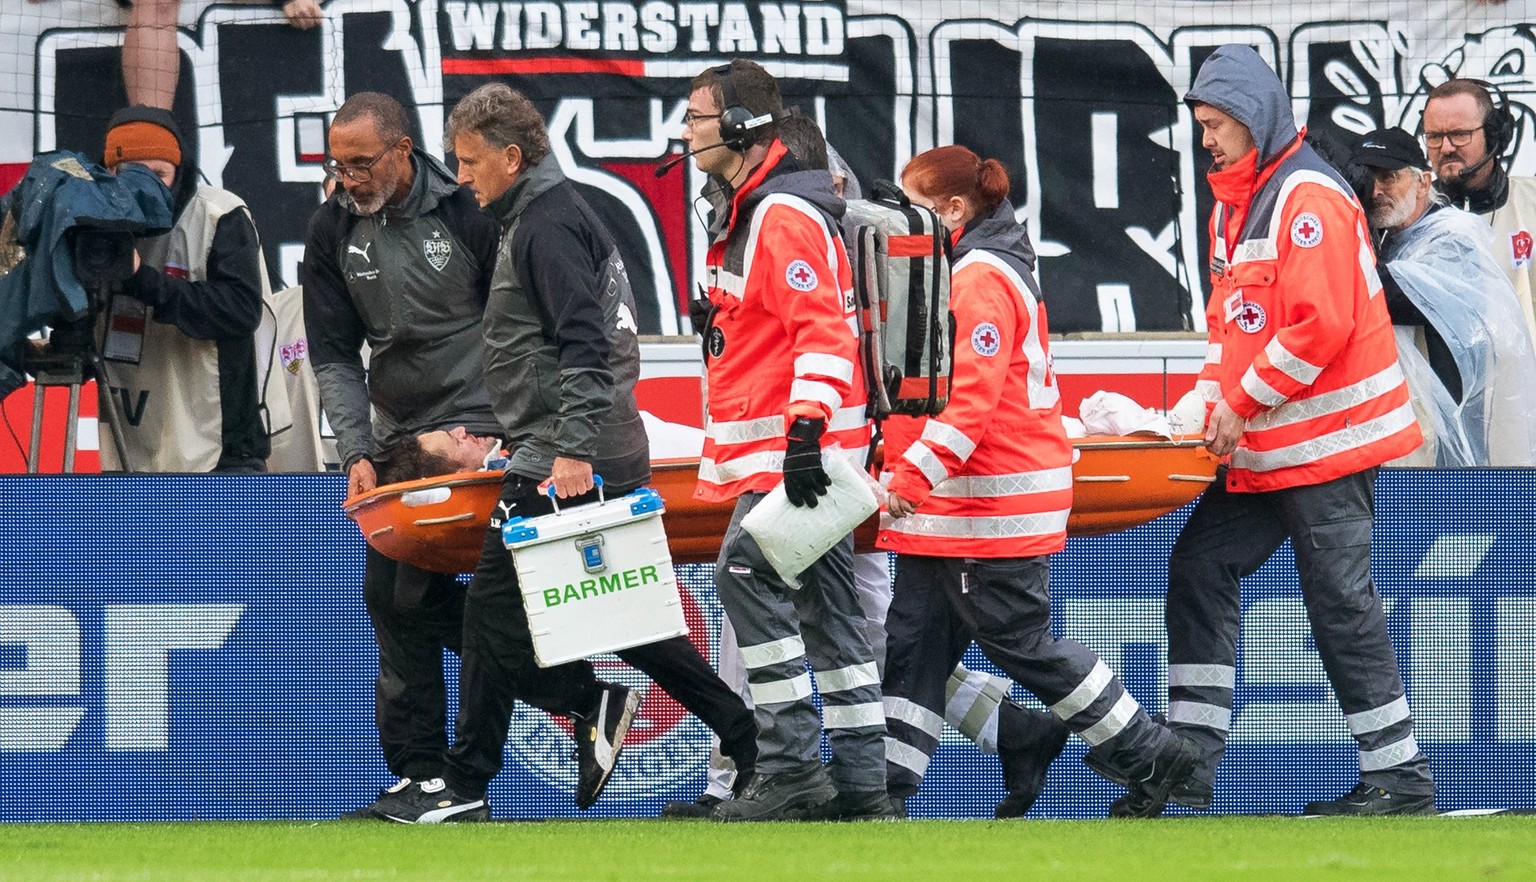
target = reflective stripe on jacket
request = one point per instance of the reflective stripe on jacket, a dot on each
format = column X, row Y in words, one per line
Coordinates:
column 783, row 332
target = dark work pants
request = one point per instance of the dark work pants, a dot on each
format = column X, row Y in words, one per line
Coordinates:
column 779, row 629
column 499, row 665
column 1229, row 536
column 415, row 616
column 939, row 605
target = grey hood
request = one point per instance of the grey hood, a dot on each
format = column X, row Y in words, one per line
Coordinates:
column 1000, row 233
column 1237, row 82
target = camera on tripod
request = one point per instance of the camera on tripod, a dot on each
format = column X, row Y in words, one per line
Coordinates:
column 78, row 233
column 102, row 258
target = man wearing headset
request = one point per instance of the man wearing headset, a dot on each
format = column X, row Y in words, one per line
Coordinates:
column 1467, row 134
column 783, row 382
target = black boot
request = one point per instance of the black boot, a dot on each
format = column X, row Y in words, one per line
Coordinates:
column 1027, row 743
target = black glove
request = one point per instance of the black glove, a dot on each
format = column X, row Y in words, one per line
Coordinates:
column 804, row 478
column 699, row 309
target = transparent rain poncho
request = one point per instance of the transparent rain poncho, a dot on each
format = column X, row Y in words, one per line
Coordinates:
column 1446, row 266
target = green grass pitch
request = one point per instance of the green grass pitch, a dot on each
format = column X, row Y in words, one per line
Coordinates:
column 1253, row 849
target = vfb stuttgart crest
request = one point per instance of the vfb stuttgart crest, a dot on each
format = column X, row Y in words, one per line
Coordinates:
column 1520, row 249
column 437, row 249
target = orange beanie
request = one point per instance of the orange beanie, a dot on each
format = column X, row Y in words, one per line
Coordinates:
column 137, row 140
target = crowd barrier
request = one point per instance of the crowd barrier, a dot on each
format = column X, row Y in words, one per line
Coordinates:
column 196, row 647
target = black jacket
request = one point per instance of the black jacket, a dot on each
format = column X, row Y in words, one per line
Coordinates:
column 562, row 353
column 411, row 282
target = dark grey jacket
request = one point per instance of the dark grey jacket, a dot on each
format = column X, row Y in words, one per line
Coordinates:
column 561, row 351
column 1001, row 234
column 412, row 283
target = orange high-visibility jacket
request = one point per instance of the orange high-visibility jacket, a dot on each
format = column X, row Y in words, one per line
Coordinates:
column 1300, row 343
column 783, row 333
column 992, row 474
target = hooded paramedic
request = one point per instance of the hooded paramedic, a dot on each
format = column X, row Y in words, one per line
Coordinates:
column 1306, row 398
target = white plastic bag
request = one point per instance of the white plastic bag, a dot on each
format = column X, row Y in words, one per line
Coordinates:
column 1110, row 413
column 793, row 537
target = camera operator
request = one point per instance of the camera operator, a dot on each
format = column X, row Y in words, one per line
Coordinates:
column 177, row 343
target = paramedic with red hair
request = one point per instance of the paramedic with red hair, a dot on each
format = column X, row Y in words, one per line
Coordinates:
column 979, row 498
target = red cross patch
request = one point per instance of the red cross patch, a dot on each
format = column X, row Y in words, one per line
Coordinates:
column 800, row 276
column 985, row 339
column 1519, row 249
column 1307, row 230
column 1251, row 317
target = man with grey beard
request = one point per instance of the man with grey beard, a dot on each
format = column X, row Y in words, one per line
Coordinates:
column 399, row 259
column 1462, row 341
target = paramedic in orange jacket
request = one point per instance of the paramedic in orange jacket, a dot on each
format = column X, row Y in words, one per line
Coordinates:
column 783, row 382
column 1307, row 400
column 979, row 498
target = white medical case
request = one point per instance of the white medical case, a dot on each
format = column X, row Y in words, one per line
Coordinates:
column 596, row 578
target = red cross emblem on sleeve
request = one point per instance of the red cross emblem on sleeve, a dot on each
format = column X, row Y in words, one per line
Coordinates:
column 1307, row 230
column 985, row 339
column 800, row 276
column 1520, row 249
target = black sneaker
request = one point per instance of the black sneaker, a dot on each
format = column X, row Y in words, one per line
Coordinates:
column 698, row 808
column 1025, row 763
column 1367, row 799
column 600, row 738
column 743, row 778
column 369, row 812
column 430, row 802
column 859, row 805
column 779, row 796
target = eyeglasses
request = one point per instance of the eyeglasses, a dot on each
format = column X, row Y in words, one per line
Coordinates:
column 360, row 174
column 1458, row 138
column 690, row 118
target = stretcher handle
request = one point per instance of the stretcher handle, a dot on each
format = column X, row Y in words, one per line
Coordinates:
column 597, row 481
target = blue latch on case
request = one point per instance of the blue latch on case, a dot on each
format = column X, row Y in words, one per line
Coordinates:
column 644, row 501
column 518, row 530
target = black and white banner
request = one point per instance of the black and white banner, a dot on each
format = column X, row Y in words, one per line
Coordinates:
column 1079, row 100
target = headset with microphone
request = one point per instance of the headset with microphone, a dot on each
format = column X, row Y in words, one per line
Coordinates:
column 736, row 122
column 661, row 170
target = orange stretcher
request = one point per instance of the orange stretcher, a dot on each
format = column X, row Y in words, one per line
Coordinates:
column 439, row 523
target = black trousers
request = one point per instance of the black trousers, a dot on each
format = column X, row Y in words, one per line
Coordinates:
column 499, row 665
column 1229, row 536
column 939, row 605
column 415, row 615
